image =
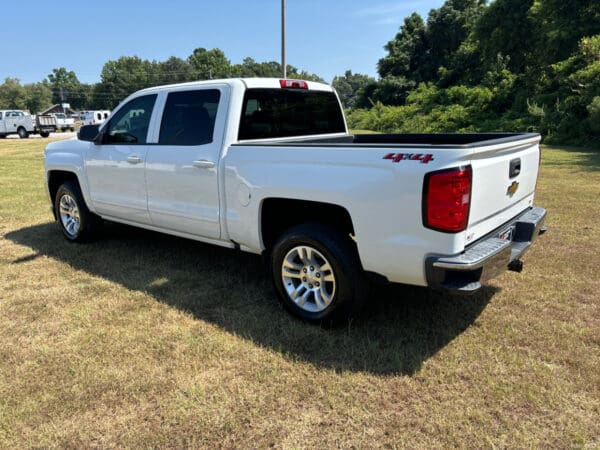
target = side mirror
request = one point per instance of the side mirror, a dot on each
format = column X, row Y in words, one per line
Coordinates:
column 88, row 133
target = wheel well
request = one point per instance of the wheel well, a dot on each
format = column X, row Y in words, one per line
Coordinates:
column 58, row 177
column 280, row 214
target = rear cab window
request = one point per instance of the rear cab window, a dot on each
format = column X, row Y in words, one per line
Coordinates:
column 189, row 117
column 274, row 113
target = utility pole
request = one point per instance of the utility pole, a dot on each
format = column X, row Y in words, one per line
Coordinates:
column 62, row 98
column 283, row 63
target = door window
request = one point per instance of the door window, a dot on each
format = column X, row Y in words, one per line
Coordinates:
column 130, row 124
column 189, row 117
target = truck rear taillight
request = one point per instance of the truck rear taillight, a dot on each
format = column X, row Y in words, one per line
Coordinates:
column 446, row 199
column 293, row 84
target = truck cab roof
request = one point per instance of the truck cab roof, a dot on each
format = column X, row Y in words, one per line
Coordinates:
column 248, row 83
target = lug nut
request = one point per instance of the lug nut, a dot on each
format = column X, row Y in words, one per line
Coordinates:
column 310, row 286
column 318, row 275
column 317, row 284
column 304, row 270
column 312, row 268
column 304, row 279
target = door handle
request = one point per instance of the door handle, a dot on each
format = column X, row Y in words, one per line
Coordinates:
column 203, row 164
column 134, row 159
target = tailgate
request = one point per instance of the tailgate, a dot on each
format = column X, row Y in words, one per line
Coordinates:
column 504, row 180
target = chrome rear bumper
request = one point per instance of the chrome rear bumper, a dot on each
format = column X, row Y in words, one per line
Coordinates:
column 489, row 256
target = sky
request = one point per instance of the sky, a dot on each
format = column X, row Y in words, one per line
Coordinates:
column 325, row 37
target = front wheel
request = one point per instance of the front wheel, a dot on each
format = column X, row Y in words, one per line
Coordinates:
column 317, row 274
column 22, row 132
column 76, row 221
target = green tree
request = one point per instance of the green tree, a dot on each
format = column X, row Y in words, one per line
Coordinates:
column 506, row 29
column 406, row 51
column 209, row 64
column 349, row 86
column 250, row 69
column 38, row 96
column 12, row 94
column 440, row 51
column 65, row 85
column 174, row 70
column 448, row 28
column 560, row 25
column 123, row 77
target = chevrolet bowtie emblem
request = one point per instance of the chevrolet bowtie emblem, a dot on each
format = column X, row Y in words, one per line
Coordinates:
column 514, row 187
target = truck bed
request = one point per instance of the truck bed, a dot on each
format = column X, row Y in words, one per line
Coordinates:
column 413, row 140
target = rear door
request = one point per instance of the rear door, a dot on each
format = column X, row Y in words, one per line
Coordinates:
column 115, row 168
column 182, row 169
column 504, row 180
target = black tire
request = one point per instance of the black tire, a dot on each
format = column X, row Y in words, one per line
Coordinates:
column 44, row 134
column 2, row 136
column 350, row 286
column 88, row 223
column 22, row 132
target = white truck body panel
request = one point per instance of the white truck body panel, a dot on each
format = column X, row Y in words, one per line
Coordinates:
column 63, row 122
column 94, row 117
column 12, row 120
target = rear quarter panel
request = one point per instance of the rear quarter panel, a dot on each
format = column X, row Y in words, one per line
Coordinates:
column 383, row 199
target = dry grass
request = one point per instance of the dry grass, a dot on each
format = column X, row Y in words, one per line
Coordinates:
column 143, row 340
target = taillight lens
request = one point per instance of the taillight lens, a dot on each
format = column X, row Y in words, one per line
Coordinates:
column 447, row 198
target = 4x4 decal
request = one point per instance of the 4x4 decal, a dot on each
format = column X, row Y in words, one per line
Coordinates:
column 397, row 157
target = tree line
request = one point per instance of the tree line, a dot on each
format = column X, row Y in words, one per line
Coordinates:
column 510, row 65
column 473, row 65
column 123, row 76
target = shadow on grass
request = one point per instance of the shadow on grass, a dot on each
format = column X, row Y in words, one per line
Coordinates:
column 400, row 328
column 583, row 157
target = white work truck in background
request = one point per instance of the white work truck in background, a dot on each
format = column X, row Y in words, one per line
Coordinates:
column 267, row 166
column 94, row 117
column 63, row 122
column 24, row 124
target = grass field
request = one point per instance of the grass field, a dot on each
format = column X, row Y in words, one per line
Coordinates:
column 143, row 340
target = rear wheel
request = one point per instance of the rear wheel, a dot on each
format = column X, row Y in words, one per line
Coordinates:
column 76, row 221
column 44, row 134
column 22, row 132
column 317, row 274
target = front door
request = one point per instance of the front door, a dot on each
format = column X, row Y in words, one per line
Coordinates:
column 11, row 121
column 115, row 167
column 181, row 170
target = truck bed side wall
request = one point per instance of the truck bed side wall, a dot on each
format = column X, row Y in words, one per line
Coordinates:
column 382, row 197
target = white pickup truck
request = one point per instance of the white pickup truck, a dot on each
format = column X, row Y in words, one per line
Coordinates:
column 267, row 166
column 64, row 123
